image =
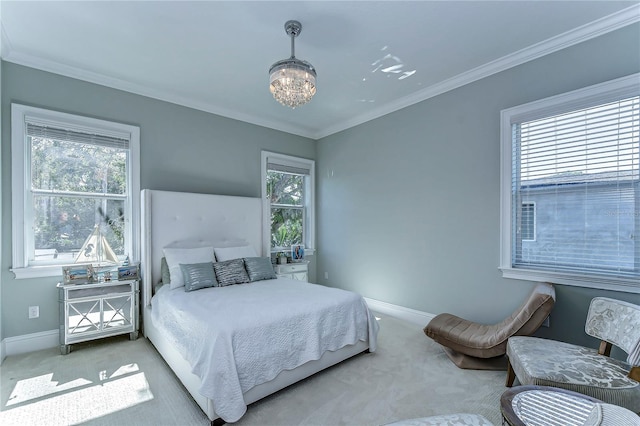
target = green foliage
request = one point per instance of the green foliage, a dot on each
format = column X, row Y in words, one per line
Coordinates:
column 70, row 166
column 280, row 236
column 286, row 194
column 62, row 171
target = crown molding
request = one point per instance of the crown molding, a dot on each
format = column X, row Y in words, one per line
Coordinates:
column 139, row 89
column 586, row 32
column 570, row 38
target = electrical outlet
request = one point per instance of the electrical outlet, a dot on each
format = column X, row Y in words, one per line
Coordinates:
column 34, row 312
column 326, row 275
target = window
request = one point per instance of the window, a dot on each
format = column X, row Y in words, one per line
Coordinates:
column 570, row 188
column 288, row 186
column 75, row 184
column 528, row 223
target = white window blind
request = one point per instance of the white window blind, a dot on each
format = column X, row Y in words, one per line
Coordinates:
column 42, row 181
column 290, row 167
column 48, row 132
column 581, row 169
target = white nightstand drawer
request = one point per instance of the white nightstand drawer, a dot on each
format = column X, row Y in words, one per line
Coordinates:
column 295, row 271
column 291, row 268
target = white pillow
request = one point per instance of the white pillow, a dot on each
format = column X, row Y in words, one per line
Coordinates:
column 230, row 253
column 186, row 256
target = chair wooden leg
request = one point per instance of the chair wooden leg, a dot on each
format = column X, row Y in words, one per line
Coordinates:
column 511, row 375
column 605, row 348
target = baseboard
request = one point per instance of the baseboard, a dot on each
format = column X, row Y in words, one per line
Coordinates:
column 3, row 351
column 407, row 314
column 30, row 342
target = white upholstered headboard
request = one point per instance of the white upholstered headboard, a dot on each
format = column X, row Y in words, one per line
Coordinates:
column 192, row 220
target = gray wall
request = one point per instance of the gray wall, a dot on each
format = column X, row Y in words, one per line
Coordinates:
column 409, row 209
column 181, row 150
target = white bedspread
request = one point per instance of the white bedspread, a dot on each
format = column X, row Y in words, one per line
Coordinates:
column 240, row 336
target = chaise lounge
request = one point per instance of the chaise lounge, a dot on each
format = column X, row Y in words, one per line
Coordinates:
column 475, row 346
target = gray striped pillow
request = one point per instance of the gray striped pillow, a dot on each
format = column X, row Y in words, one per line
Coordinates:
column 230, row 272
column 198, row 275
column 259, row 268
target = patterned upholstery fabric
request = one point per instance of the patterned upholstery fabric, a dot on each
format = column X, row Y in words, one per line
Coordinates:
column 446, row 420
column 616, row 322
column 550, row 363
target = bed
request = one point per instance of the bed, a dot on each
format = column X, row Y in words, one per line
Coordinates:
column 177, row 219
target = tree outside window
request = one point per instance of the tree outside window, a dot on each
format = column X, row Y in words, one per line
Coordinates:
column 286, row 195
column 288, row 185
column 77, row 188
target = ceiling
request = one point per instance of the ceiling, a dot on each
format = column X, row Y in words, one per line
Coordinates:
column 372, row 58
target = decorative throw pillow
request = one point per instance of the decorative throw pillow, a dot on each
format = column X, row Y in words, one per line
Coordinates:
column 198, row 275
column 229, row 253
column 164, row 271
column 259, row 268
column 230, row 272
column 185, row 256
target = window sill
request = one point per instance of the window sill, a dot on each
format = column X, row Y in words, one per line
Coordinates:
column 37, row 272
column 602, row 283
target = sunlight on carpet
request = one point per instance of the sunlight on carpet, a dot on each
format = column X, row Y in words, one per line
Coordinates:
column 38, row 397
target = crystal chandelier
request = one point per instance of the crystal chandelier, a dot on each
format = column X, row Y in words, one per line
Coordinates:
column 292, row 81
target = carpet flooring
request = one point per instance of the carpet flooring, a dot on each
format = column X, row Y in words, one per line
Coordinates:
column 120, row 382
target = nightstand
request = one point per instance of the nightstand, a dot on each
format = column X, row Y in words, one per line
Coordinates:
column 296, row 271
column 91, row 311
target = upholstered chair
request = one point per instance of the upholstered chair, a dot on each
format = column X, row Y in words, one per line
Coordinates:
column 546, row 362
column 475, row 346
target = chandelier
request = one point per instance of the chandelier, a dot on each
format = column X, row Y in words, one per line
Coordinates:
column 292, row 81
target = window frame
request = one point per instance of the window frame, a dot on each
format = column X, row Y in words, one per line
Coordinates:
column 308, row 235
column 582, row 98
column 20, row 178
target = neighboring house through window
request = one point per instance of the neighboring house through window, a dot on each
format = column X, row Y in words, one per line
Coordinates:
column 288, row 190
column 75, row 183
column 528, row 221
column 570, row 188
